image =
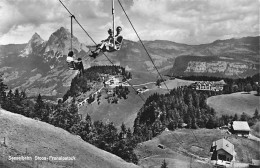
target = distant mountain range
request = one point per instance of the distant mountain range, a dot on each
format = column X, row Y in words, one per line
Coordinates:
column 40, row 67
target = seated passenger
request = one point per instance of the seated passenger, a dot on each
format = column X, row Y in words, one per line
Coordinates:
column 108, row 44
column 104, row 44
column 79, row 66
column 70, row 60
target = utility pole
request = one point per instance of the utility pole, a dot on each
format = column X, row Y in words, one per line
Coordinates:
column 71, row 32
column 113, row 14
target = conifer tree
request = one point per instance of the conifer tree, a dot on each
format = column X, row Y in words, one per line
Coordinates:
column 164, row 164
column 256, row 114
column 3, row 88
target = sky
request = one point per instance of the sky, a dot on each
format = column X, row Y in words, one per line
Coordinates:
column 182, row 21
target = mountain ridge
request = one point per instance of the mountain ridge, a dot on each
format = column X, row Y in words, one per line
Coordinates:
column 46, row 71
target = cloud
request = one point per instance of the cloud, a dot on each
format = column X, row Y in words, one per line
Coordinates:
column 184, row 21
column 195, row 20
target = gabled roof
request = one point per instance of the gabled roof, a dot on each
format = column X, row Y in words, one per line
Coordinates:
column 225, row 145
column 240, row 126
column 255, row 162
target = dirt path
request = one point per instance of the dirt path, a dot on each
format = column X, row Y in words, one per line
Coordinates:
column 253, row 137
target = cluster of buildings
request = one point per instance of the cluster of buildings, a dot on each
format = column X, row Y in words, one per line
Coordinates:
column 209, row 85
column 223, row 151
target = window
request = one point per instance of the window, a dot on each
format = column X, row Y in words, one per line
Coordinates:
column 221, row 157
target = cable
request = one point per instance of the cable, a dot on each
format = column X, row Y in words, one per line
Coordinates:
column 143, row 45
column 149, row 55
column 96, row 44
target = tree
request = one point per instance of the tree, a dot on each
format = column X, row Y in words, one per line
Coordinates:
column 256, row 114
column 258, row 91
column 164, row 164
column 244, row 117
column 3, row 88
column 211, row 123
column 40, row 110
column 235, row 118
column 248, row 88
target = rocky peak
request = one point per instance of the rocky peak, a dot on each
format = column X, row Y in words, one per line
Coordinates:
column 33, row 43
column 59, row 35
column 36, row 38
column 60, row 41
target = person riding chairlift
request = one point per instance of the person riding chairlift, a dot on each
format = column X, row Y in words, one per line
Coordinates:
column 107, row 44
column 70, row 60
column 75, row 64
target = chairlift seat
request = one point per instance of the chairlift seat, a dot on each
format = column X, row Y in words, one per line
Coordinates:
column 71, row 63
column 118, row 43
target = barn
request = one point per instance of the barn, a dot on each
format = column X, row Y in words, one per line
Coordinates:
column 241, row 128
column 223, row 152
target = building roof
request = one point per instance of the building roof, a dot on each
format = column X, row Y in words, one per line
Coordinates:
column 256, row 162
column 225, row 145
column 240, row 126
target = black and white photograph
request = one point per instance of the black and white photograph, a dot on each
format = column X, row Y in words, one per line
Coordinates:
column 129, row 84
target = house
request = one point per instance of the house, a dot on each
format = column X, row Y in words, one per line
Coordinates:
column 209, row 85
column 223, row 153
column 255, row 164
column 241, row 128
column 110, row 92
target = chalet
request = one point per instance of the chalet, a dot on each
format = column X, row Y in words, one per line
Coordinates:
column 241, row 128
column 255, row 164
column 209, row 85
column 223, row 153
column 110, row 92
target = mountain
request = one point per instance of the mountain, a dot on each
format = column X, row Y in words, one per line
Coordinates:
column 31, row 138
column 231, row 58
column 40, row 67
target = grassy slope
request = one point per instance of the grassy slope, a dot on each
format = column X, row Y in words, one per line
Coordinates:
column 42, row 139
column 235, row 103
column 179, row 155
column 126, row 110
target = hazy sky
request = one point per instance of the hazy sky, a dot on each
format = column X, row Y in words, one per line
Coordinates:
column 182, row 21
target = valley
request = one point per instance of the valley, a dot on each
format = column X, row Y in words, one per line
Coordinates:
column 47, row 74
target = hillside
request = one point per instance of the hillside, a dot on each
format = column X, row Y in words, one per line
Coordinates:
column 179, row 145
column 41, row 139
column 235, row 103
column 126, row 109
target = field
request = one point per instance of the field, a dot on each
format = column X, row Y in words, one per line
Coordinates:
column 181, row 149
column 235, row 103
column 171, row 84
column 28, row 137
